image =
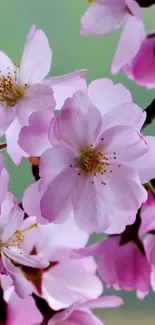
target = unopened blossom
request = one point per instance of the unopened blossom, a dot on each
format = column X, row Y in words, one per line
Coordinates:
column 141, row 68
column 80, row 313
column 105, row 16
column 66, row 279
column 23, row 89
column 12, row 238
column 20, row 311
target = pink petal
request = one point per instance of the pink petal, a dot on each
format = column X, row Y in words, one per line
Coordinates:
column 55, row 203
column 105, row 95
column 129, row 44
column 65, row 86
column 6, row 65
column 36, row 59
column 52, row 162
column 127, row 197
column 125, row 218
column 125, row 141
column 4, row 180
column 142, row 67
column 75, row 316
column 22, row 286
column 134, row 7
column 12, row 215
column 22, row 311
column 87, row 203
column 7, row 115
column 32, row 206
column 145, row 164
column 56, row 236
column 33, row 139
column 25, row 259
column 147, row 219
column 101, row 19
column 69, row 285
column 103, row 302
column 128, row 114
column 13, row 149
column 78, row 123
column 37, row 97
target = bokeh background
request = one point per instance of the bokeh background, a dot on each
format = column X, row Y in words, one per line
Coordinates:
column 60, row 19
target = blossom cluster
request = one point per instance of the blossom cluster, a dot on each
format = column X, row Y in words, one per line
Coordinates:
column 94, row 172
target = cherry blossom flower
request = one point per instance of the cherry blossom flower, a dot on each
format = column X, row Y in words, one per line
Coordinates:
column 141, row 68
column 80, row 313
column 105, row 16
column 89, row 158
column 12, row 237
column 23, row 89
column 21, row 311
column 66, row 279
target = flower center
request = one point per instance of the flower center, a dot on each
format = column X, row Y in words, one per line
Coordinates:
column 17, row 239
column 10, row 90
column 90, row 161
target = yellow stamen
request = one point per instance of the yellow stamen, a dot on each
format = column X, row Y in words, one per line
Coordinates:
column 152, row 189
column 30, row 227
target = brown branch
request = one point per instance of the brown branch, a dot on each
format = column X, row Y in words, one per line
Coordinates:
column 3, row 308
column 150, row 114
column 3, row 146
column 44, row 308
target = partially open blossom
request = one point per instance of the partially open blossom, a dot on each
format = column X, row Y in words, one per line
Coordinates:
column 124, row 267
column 141, row 68
column 80, row 313
column 20, row 311
column 12, row 238
column 105, row 16
column 93, row 151
column 23, row 89
column 65, row 280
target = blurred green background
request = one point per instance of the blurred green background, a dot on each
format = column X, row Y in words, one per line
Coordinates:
column 60, row 19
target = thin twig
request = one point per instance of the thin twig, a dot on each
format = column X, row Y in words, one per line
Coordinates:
column 3, row 146
column 150, row 114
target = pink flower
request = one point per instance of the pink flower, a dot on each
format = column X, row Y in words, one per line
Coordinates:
column 124, row 267
column 91, row 155
column 80, row 313
column 105, row 16
column 21, row 311
column 12, row 238
column 23, row 89
column 142, row 66
column 66, row 279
